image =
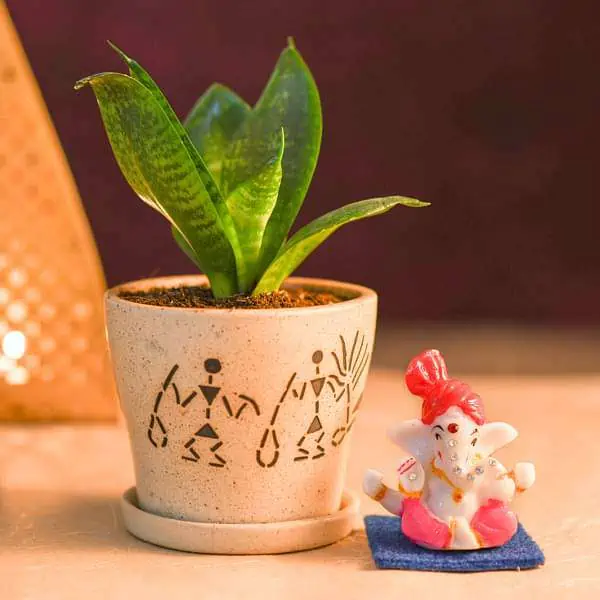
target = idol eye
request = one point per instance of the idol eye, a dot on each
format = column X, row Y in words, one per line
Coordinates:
column 474, row 442
column 438, row 436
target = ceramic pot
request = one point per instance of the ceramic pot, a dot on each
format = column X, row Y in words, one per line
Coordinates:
column 241, row 415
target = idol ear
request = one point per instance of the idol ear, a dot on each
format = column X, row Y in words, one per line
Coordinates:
column 414, row 437
column 493, row 436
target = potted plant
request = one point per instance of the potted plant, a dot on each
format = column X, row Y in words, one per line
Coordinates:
column 240, row 387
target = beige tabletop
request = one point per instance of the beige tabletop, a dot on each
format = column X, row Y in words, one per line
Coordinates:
column 61, row 534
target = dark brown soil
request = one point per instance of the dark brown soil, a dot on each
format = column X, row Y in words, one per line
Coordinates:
column 201, row 297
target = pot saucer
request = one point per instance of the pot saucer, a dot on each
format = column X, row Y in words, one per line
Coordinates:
column 240, row 538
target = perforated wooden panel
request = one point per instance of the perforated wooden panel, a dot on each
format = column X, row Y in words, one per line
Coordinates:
column 53, row 354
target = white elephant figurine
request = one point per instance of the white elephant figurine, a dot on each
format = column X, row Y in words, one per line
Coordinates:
column 452, row 495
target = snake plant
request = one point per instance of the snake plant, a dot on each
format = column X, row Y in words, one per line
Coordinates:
column 231, row 178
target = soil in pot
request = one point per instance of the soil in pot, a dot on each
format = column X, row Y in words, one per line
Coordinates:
column 202, row 297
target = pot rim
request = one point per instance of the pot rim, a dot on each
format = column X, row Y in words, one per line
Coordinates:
column 362, row 294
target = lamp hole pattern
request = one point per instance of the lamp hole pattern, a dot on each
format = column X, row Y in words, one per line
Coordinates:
column 53, row 354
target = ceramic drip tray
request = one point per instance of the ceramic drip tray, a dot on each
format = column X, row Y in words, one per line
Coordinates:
column 242, row 538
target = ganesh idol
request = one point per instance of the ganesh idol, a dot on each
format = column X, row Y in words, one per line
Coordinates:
column 452, row 493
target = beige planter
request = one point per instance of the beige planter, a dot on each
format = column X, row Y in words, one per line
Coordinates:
column 240, row 416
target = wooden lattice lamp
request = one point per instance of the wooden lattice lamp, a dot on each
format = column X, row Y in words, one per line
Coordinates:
column 53, row 356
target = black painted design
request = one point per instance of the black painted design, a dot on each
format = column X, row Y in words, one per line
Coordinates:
column 315, row 425
column 157, row 401
column 157, row 431
column 319, row 447
column 161, row 434
column 336, row 379
column 335, row 376
column 302, row 391
column 349, row 363
column 169, row 377
column 201, row 444
column 317, row 385
column 189, row 399
column 269, row 444
column 207, row 431
column 350, row 370
column 347, row 367
column 227, row 406
column 193, row 455
column 212, row 365
column 309, row 446
column 209, row 392
column 249, row 402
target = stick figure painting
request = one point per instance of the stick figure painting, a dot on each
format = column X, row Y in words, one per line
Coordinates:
column 205, row 442
column 327, row 382
column 330, row 387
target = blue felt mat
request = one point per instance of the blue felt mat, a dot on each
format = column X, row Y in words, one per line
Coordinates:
column 392, row 550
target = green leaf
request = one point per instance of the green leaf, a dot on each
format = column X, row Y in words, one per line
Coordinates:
column 290, row 100
column 140, row 74
column 251, row 205
column 185, row 247
column 143, row 77
column 157, row 165
column 309, row 237
column 213, row 123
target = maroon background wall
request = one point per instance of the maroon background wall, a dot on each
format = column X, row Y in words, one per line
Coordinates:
column 489, row 110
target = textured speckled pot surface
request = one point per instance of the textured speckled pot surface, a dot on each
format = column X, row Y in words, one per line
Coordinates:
column 241, row 416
